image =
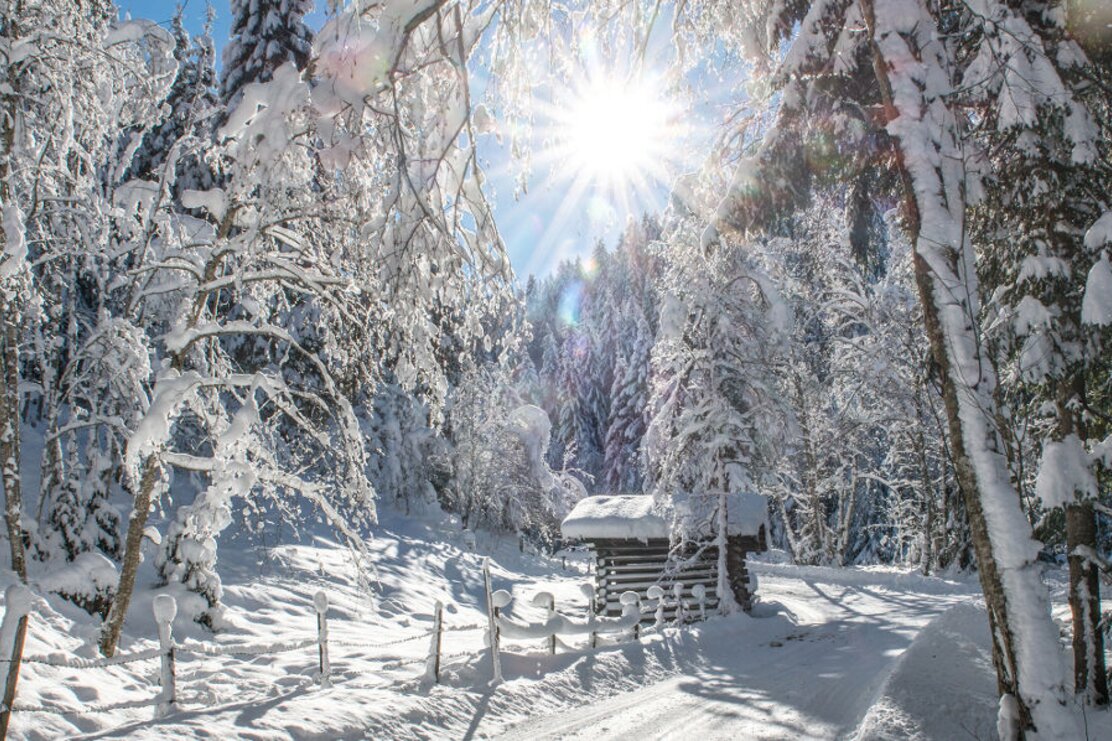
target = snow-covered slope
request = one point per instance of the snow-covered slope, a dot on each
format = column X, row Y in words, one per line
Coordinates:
column 828, row 653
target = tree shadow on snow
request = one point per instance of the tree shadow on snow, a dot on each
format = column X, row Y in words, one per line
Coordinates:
column 201, row 717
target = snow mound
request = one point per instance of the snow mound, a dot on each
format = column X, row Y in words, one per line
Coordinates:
column 1096, row 307
column 88, row 581
column 943, row 686
column 1065, row 470
column 90, row 572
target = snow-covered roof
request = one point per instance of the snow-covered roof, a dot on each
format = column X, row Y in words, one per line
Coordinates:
column 627, row 516
column 633, row 517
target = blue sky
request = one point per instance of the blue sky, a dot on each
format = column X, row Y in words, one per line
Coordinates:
column 561, row 216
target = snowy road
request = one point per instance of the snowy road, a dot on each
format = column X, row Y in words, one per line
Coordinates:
column 811, row 666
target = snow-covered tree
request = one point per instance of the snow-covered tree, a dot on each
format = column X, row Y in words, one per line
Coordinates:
column 500, row 475
column 187, row 125
column 407, row 455
column 265, row 35
column 629, row 403
column 863, row 477
column 717, row 417
column 81, row 83
column 1049, row 176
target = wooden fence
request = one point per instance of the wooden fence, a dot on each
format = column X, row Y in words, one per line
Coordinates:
column 498, row 627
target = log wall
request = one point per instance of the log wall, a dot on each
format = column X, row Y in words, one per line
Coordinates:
column 634, row 565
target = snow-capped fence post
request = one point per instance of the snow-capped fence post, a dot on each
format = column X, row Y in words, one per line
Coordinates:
column 320, row 602
column 432, row 667
column 699, row 592
column 13, row 631
column 589, row 592
column 631, row 604
column 165, row 610
column 677, row 589
column 547, row 601
column 492, row 626
column 656, row 592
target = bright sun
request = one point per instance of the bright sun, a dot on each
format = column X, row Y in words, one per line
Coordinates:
column 618, row 133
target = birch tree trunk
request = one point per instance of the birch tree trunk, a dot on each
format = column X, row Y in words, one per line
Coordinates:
column 9, row 430
column 10, row 331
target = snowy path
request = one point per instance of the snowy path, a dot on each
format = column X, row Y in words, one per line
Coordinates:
column 811, row 667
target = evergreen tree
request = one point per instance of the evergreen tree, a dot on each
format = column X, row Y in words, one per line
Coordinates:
column 185, row 130
column 265, row 35
column 1048, row 181
column 629, row 402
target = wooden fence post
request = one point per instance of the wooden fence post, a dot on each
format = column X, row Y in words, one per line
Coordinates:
column 320, row 603
column 432, row 666
column 699, row 591
column 17, row 603
column 588, row 591
column 631, row 604
column 547, row 601
column 165, row 610
column 492, row 626
column 677, row 589
column 551, row 614
column 656, row 592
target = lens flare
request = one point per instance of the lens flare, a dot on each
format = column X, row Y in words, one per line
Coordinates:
column 570, row 303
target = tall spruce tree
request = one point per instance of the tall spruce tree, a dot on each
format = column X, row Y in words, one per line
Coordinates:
column 265, row 35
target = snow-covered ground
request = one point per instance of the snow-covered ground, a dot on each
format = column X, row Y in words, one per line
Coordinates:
column 867, row 653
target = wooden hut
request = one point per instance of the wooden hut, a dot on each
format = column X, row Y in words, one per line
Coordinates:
column 633, row 550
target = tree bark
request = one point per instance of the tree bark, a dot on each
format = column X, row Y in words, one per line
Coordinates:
column 1089, row 672
column 113, row 625
column 10, row 331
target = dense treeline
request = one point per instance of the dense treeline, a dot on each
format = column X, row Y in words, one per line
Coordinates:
column 854, row 455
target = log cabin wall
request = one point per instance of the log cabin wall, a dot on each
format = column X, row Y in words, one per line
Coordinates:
column 633, row 565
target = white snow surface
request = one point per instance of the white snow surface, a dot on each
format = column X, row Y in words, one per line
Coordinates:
column 634, row 516
column 215, row 201
column 1065, row 473
column 1096, row 306
column 621, row 516
column 86, row 575
column 865, row 653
